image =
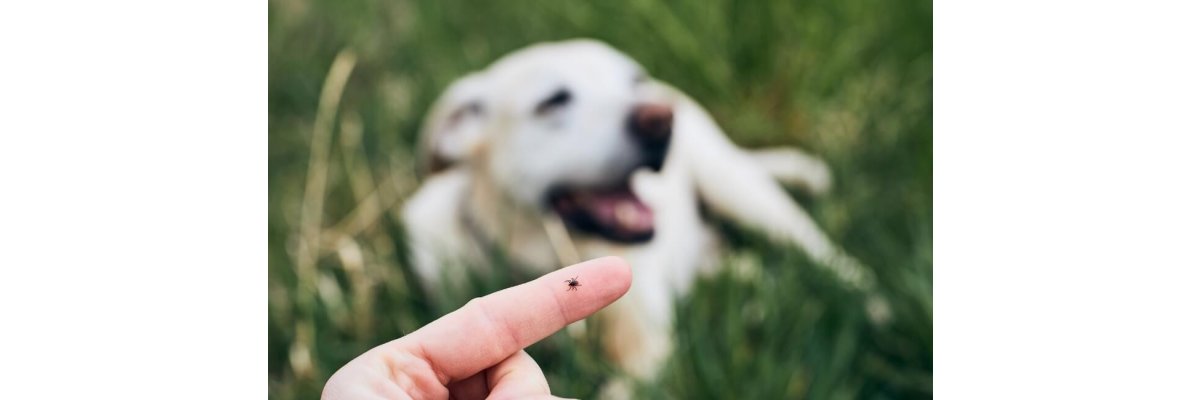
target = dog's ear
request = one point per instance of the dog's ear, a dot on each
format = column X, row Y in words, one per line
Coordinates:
column 454, row 126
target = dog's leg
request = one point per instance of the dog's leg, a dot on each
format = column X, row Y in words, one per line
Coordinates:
column 638, row 327
column 794, row 167
column 733, row 185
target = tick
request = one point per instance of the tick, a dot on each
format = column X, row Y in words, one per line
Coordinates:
column 573, row 283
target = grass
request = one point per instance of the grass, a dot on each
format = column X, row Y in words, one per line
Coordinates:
column 850, row 80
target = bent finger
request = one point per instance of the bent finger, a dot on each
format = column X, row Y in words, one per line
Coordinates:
column 518, row 376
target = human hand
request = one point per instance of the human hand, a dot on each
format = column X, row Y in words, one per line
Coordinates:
column 476, row 351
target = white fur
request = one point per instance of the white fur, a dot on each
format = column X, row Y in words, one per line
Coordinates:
column 503, row 158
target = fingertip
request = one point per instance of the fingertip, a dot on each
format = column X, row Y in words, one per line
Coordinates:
column 619, row 271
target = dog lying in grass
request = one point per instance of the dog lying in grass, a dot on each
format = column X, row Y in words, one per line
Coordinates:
column 567, row 151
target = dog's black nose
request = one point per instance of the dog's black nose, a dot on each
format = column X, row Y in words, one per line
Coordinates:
column 651, row 123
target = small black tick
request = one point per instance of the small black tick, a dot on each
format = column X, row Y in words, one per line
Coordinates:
column 573, row 284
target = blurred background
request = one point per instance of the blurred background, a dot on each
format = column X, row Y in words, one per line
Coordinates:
column 850, row 80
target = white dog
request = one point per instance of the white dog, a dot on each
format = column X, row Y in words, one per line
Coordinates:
column 567, row 151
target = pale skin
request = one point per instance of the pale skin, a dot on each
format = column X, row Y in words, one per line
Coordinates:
column 477, row 351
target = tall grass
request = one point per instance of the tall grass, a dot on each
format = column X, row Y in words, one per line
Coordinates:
column 850, row 80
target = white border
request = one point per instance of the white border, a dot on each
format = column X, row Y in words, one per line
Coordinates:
column 1065, row 186
column 133, row 165
column 1067, row 204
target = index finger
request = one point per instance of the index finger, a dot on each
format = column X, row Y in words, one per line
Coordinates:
column 491, row 328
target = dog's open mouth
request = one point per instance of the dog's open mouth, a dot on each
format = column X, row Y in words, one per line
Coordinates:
column 615, row 213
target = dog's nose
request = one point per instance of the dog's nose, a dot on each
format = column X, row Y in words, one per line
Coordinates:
column 651, row 123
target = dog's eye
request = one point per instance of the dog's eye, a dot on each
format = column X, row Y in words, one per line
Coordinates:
column 555, row 101
column 470, row 109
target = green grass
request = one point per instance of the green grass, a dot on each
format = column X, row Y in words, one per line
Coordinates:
column 850, row 80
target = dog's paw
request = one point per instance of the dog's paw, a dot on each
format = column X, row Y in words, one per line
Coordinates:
column 616, row 389
column 793, row 167
column 879, row 310
column 820, row 180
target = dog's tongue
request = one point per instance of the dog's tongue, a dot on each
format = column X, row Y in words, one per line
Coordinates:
column 616, row 213
column 621, row 210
